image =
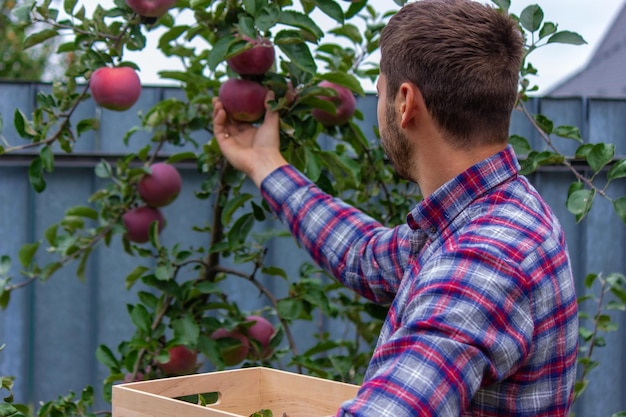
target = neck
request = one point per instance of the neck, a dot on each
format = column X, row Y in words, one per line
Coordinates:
column 438, row 162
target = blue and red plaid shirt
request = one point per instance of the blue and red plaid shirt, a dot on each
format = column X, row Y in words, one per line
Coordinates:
column 483, row 318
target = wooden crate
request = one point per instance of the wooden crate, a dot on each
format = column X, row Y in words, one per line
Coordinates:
column 240, row 392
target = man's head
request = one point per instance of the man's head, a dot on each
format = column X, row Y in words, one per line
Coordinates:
column 465, row 59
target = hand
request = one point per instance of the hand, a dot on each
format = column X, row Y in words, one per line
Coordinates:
column 253, row 150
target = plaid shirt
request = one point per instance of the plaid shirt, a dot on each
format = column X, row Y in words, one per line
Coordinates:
column 483, row 317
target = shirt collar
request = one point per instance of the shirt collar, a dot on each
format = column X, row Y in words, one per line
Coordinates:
column 435, row 213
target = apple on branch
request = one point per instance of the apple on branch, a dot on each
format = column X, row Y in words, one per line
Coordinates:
column 256, row 60
column 150, row 8
column 115, row 88
column 244, row 100
column 345, row 105
column 139, row 220
column 183, row 361
column 234, row 347
column 161, row 186
column 261, row 333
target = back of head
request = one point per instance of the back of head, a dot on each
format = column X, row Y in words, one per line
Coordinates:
column 464, row 57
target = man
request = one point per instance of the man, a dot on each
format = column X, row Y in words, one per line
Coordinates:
column 483, row 317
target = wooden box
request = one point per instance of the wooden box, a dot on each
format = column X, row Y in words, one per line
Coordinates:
column 238, row 393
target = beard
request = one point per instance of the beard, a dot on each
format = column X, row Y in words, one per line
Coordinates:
column 396, row 145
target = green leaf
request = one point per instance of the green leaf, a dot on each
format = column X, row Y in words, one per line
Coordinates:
column 246, row 26
column 47, row 158
column 39, row 37
column 27, row 253
column 86, row 125
column 521, row 146
column 22, row 125
column 268, row 17
column 567, row 37
column 531, row 17
column 349, row 31
column 82, row 211
column 5, row 265
column 232, row 205
column 274, row 270
column 331, row 9
column 544, row 123
column 583, row 150
column 68, row 6
column 103, row 170
column 253, row 7
column 107, row 358
column 186, row 330
column 344, row 79
column 618, row 170
column 600, row 155
column 35, row 174
column 290, row 309
column 294, row 47
column 547, row 29
column 240, row 230
column 620, row 208
column 82, row 264
column 164, row 272
column 135, row 275
column 579, row 203
column 504, row 5
column 301, row 21
column 219, row 51
column 569, row 132
column 181, row 156
column 141, row 318
column 50, row 269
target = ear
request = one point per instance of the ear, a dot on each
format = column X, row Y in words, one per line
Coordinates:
column 411, row 103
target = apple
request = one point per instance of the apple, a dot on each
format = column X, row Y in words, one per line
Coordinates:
column 254, row 61
column 138, row 221
column 183, row 361
column 345, row 105
column 261, row 331
column 161, row 186
column 243, row 100
column 115, row 88
column 232, row 354
column 150, row 8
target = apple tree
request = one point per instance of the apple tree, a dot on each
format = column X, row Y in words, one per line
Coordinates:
column 237, row 50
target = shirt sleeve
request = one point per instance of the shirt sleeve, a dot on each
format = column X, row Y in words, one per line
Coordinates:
column 361, row 253
column 466, row 325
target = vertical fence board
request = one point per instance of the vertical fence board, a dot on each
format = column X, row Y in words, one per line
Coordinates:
column 15, row 320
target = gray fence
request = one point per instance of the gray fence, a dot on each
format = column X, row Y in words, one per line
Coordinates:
column 51, row 330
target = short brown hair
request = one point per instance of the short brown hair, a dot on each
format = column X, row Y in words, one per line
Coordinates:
column 465, row 57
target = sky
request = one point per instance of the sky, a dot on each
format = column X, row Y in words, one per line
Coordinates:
column 590, row 18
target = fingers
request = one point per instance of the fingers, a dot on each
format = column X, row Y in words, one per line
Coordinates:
column 220, row 119
column 271, row 116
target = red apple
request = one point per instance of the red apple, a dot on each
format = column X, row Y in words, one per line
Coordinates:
column 345, row 106
column 138, row 221
column 161, row 186
column 115, row 88
column 243, row 100
column 232, row 354
column 183, row 361
column 150, row 8
column 254, row 61
column 261, row 331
